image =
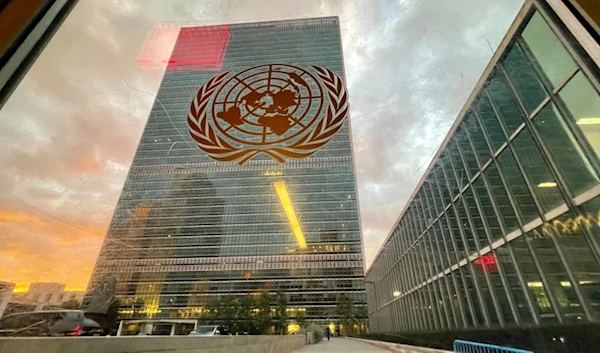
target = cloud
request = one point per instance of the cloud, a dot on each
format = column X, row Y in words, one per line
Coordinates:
column 71, row 128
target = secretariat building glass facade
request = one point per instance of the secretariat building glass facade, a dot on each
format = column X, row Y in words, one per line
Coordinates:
column 189, row 228
column 504, row 228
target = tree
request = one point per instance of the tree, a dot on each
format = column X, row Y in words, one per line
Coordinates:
column 345, row 311
column 281, row 318
column 229, row 309
column 212, row 308
column 245, row 316
column 301, row 319
column 264, row 320
column 362, row 316
column 71, row 304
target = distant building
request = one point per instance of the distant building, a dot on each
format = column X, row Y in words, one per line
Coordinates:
column 503, row 229
column 6, row 289
column 40, row 296
column 46, row 293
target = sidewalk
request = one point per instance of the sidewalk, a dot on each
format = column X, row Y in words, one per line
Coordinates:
column 341, row 345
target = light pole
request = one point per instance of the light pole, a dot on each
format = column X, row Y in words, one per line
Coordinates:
column 376, row 302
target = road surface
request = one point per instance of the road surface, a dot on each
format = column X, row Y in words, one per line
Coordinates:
column 341, row 345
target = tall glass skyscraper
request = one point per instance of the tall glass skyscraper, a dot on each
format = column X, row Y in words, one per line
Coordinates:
column 188, row 228
column 504, row 228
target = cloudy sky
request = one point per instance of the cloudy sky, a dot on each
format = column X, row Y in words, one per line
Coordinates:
column 70, row 130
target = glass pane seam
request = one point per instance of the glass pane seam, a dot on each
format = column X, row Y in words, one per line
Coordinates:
column 504, row 145
column 540, row 107
column 556, row 212
column 565, row 81
column 514, row 134
column 586, row 196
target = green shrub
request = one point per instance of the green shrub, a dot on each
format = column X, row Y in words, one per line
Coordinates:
column 317, row 330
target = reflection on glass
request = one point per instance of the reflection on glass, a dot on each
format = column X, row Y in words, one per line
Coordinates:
column 501, row 198
column 472, row 311
column 524, row 78
column 467, row 151
column 472, row 285
column 469, row 235
column 505, row 102
column 442, row 183
column 533, row 280
column 568, row 230
column 515, row 288
column 537, row 171
column 554, row 269
column 453, row 255
column 461, row 173
column 284, row 197
column 455, row 233
column 490, row 122
column 514, row 179
column 449, row 172
column 583, row 102
column 473, row 128
column 550, row 54
column 481, row 191
column 428, row 204
column 565, row 150
column 479, row 231
column 434, row 195
column 442, row 245
column 591, row 222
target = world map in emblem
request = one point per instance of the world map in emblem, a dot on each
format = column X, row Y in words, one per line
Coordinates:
column 281, row 110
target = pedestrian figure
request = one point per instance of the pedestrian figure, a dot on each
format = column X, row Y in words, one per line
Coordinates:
column 328, row 333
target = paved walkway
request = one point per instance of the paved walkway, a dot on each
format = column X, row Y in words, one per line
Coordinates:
column 341, row 345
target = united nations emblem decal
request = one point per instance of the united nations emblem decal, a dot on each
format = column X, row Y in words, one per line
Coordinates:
column 281, row 110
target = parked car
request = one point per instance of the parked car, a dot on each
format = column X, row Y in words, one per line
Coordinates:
column 49, row 323
column 210, row 330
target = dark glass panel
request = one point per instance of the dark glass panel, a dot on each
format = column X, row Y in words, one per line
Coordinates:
column 524, row 78
column 505, row 102
column 518, row 187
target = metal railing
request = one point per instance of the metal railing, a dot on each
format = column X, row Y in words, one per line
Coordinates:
column 461, row 346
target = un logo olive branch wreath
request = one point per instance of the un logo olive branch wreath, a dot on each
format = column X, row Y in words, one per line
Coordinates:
column 219, row 149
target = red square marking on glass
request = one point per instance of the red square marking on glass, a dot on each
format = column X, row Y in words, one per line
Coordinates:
column 200, row 49
column 189, row 48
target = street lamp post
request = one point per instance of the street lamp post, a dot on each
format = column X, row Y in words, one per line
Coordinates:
column 376, row 302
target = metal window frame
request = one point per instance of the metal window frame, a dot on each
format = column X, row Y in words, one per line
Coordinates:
column 552, row 164
column 443, row 314
column 478, row 202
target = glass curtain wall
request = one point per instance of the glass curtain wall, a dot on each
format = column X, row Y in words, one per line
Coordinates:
column 505, row 228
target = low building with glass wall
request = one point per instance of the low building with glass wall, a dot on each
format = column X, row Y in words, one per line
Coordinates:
column 504, row 228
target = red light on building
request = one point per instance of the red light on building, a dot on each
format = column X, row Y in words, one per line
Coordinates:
column 487, row 262
column 200, row 49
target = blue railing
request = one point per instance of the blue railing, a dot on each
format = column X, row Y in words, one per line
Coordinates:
column 461, row 346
